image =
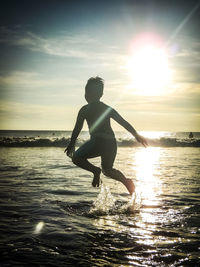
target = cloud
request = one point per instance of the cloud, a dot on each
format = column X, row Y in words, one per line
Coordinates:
column 57, row 47
column 17, row 78
column 14, row 107
column 36, row 88
column 63, row 45
column 186, row 102
column 15, row 115
column 186, row 60
column 34, row 80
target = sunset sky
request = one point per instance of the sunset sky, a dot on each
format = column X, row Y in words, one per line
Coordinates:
column 148, row 53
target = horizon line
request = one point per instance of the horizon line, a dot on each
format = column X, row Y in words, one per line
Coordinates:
column 56, row 130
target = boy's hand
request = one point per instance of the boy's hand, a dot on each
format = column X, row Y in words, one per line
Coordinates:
column 141, row 140
column 70, row 150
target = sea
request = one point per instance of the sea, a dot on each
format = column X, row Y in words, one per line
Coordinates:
column 50, row 215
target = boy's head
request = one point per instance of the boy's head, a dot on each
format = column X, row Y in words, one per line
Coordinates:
column 94, row 89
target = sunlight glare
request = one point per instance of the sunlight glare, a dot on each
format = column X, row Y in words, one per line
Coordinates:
column 149, row 69
column 147, row 166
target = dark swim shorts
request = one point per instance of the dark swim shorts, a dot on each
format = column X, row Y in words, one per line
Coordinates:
column 106, row 148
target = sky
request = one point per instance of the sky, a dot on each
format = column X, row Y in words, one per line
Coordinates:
column 147, row 52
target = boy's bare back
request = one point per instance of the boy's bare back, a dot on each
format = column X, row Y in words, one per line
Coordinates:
column 98, row 115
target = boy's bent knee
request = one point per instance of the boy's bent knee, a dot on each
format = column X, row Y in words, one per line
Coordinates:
column 76, row 159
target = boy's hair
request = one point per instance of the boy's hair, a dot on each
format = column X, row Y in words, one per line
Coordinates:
column 95, row 86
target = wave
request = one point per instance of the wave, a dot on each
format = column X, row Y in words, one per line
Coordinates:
column 63, row 142
column 163, row 142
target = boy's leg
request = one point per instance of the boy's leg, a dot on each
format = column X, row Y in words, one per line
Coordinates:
column 114, row 174
column 86, row 165
column 118, row 176
column 80, row 157
column 107, row 161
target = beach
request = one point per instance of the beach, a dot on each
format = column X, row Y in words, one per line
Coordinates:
column 52, row 216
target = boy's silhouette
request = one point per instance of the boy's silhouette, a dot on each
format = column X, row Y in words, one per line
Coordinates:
column 102, row 142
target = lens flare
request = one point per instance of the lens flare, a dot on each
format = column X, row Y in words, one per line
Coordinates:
column 39, row 227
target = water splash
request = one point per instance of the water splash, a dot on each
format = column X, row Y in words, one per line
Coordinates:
column 129, row 207
column 106, row 204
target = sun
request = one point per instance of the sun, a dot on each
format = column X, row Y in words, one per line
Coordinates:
column 149, row 69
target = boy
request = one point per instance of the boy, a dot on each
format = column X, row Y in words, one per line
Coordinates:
column 102, row 142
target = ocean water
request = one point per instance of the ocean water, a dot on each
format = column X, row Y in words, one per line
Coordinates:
column 50, row 215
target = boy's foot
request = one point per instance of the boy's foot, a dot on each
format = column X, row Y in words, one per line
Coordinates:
column 130, row 186
column 96, row 179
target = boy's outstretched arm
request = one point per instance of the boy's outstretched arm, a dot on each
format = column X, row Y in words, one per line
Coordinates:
column 77, row 128
column 118, row 118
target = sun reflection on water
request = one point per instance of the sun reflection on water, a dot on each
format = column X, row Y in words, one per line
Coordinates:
column 146, row 163
column 156, row 225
